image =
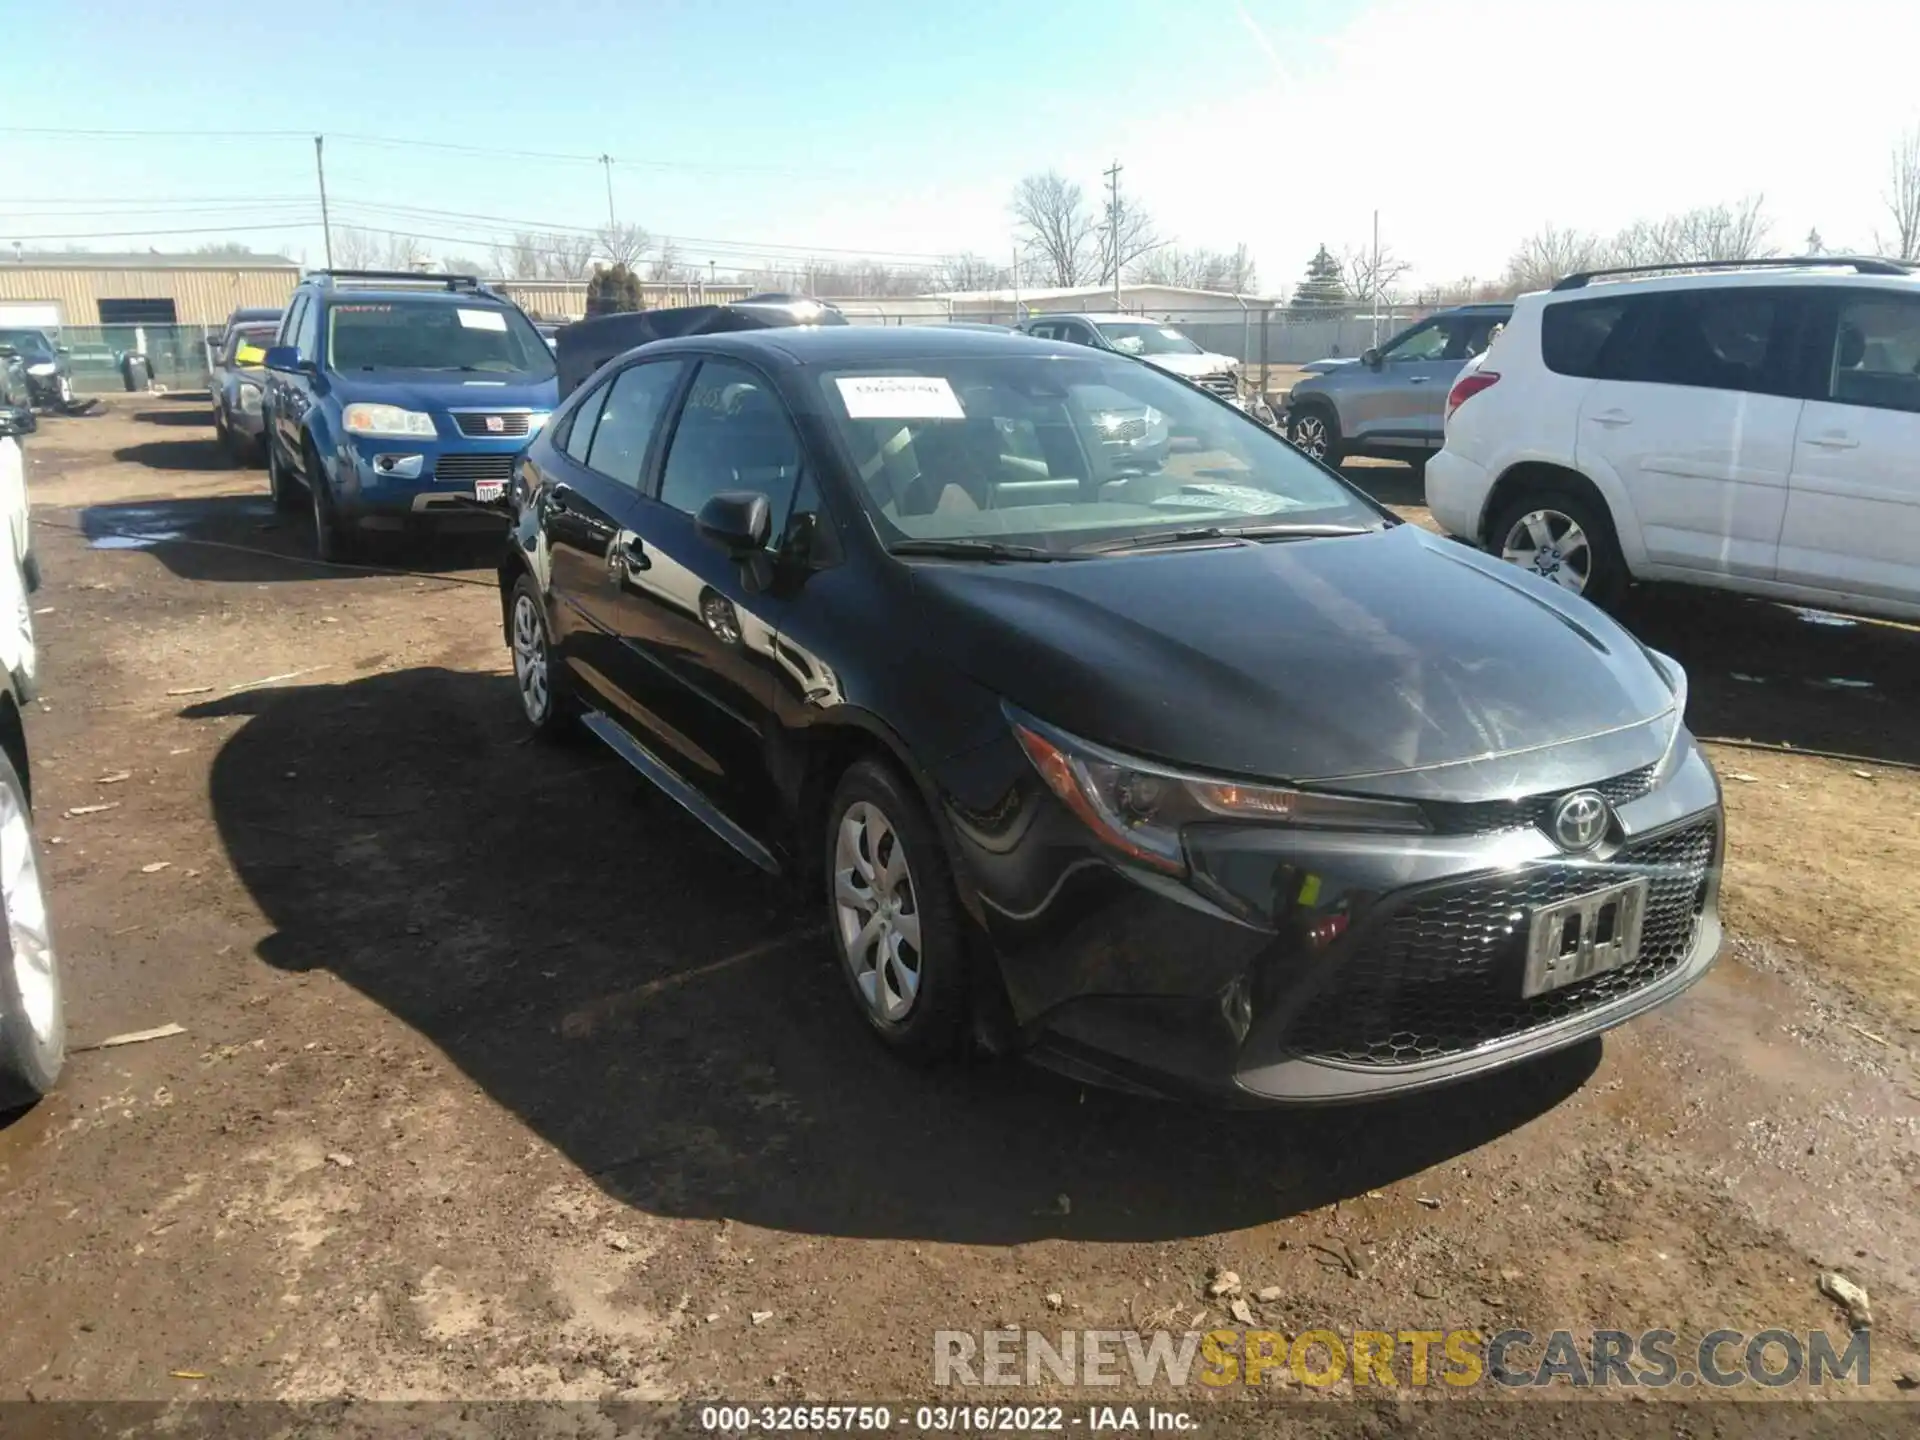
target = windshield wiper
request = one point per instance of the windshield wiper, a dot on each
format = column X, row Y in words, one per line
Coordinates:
column 976, row 550
column 1221, row 532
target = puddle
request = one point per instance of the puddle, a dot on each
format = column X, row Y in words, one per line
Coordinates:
column 117, row 541
column 1823, row 617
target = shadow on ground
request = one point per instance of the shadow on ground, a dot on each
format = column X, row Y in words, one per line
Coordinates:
column 195, row 454
column 179, row 416
column 672, row 1020
column 238, row 539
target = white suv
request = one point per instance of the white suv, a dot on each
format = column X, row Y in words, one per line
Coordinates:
column 1753, row 426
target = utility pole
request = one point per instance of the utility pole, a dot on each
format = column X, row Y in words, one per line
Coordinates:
column 1376, row 278
column 606, row 164
column 1113, row 227
column 320, row 167
column 1016, row 282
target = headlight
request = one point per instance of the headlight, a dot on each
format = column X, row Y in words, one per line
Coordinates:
column 249, row 398
column 43, row 367
column 1138, row 807
column 386, row 420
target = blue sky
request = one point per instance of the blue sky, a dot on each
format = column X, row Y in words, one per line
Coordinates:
column 900, row 128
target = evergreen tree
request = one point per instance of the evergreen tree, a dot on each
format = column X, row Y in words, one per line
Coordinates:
column 614, row 289
column 1323, row 288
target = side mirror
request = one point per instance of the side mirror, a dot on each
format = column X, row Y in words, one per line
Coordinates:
column 740, row 522
column 284, row 358
column 1370, row 358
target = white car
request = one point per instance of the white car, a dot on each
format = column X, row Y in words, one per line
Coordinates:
column 1753, row 426
column 32, row 1022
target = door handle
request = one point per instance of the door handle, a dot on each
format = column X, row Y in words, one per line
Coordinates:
column 1834, row 440
column 1611, row 417
column 1418, row 379
column 634, row 552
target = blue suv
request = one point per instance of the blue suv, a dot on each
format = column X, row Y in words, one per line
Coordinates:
column 397, row 400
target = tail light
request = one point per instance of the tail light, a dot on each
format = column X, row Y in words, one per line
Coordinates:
column 1468, row 386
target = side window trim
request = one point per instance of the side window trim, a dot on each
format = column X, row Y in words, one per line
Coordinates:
column 290, row 322
column 594, row 400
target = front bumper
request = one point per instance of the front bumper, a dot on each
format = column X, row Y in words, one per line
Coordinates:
column 389, row 483
column 1298, row 967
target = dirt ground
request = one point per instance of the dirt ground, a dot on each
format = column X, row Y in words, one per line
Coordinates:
column 502, row 1079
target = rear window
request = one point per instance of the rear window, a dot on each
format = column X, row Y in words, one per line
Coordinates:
column 1574, row 334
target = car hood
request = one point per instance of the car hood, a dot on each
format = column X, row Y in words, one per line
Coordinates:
column 1192, row 365
column 436, row 390
column 1367, row 659
column 1321, row 367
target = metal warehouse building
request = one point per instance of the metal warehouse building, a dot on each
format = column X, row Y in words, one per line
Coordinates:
column 58, row 290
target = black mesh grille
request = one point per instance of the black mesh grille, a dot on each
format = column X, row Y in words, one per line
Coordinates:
column 1444, row 974
column 1485, row 817
column 1221, row 382
column 508, row 422
column 474, row 467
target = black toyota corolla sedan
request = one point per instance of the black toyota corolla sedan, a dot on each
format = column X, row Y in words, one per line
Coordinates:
column 1181, row 765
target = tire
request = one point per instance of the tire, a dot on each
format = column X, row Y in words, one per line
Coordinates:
column 1315, row 431
column 331, row 539
column 63, row 391
column 549, row 707
column 1418, row 464
column 1548, row 513
column 33, row 1043
column 913, row 997
column 223, row 435
column 282, row 486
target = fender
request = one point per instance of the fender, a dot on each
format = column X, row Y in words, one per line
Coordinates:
column 1602, row 476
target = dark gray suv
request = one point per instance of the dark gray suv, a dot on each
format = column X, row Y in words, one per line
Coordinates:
column 1390, row 401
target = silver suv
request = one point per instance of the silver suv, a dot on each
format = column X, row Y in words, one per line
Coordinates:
column 1389, row 402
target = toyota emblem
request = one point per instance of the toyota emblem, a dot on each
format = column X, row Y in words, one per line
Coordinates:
column 1580, row 821
column 495, row 425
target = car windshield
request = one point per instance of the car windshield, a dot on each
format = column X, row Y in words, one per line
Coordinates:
column 434, row 335
column 27, row 342
column 1052, row 452
column 1138, row 337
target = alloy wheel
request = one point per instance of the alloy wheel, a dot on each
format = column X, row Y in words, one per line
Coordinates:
column 30, row 941
column 530, row 659
column 1310, row 435
column 877, row 911
column 1551, row 544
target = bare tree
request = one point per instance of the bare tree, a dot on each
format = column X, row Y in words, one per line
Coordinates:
column 667, row 267
column 1370, row 275
column 1903, row 201
column 1056, row 228
column 1723, row 232
column 968, row 271
column 566, row 256
column 403, row 252
column 1549, row 253
column 624, row 244
column 1229, row 271
column 461, row 265
column 355, row 249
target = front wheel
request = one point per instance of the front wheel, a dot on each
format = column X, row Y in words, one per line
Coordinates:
column 1564, row 538
column 1316, row 433
column 895, row 920
column 332, row 540
column 285, row 492
column 33, row 1031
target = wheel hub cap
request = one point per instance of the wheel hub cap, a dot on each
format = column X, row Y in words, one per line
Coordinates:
column 1553, row 546
column 876, row 912
column 530, row 658
column 30, row 944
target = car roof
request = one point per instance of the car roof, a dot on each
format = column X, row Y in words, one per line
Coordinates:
column 875, row 344
column 1771, row 277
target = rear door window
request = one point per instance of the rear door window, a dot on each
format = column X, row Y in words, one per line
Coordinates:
column 580, row 426
column 1575, row 334
column 1876, row 352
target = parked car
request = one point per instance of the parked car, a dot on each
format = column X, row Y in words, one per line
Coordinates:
column 1203, row 777
column 1750, row 426
column 14, row 392
column 1157, row 344
column 32, row 1019
column 49, row 373
column 238, row 386
column 17, row 422
column 268, row 315
column 396, row 399
column 1388, row 402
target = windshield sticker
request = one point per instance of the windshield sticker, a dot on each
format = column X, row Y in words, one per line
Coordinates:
column 482, row 319
column 899, row 397
column 363, row 310
column 1235, row 499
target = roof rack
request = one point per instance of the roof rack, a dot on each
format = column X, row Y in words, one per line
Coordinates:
column 388, row 277
column 1859, row 264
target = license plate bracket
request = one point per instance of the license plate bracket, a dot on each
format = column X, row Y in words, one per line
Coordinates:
column 1584, row 935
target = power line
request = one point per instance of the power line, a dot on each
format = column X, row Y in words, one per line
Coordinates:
column 308, row 219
